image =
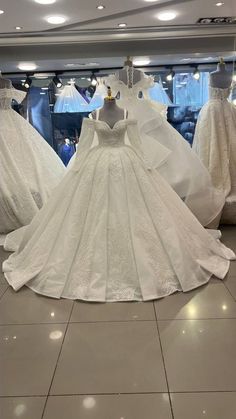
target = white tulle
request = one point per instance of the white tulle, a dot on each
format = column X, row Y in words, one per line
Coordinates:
column 114, row 230
column 215, row 144
column 182, row 169
column 158, row 94
column 29, row 168
column 98, row 97
column 70, row 100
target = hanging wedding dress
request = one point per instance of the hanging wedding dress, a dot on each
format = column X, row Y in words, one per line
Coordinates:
column 114, row 230
column 98, row 97
column 158, row 94
column 29, row 168
column 180, row 167
column 215, row 144
column 70, row 100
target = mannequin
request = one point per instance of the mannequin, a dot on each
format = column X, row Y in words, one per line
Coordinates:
column 5, row 83
column 110, row 112
column 221, row 78
column 129, row 75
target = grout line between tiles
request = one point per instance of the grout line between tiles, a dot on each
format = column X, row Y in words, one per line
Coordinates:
column 4, row 292
column 116, row 394
column 163, row 360
column 234, row 298
column 53, row 375
column 117, row 321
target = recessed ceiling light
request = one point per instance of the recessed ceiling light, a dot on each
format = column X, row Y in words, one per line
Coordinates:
column 45, row 1
column 122, row 25
column 220, row 3
column 168, row 15
column 18, row 28
column 100, row 7
column 141, row 62
column 27, row 66
column 1, row 12
column 56, row 20
column 69, row 65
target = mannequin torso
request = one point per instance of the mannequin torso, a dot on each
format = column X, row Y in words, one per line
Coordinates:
column 221, row 78
column 130, row 80
column 129, row 75
column 110, row 112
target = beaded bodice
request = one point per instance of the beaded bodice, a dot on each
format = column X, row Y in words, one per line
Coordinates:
column 219, row 94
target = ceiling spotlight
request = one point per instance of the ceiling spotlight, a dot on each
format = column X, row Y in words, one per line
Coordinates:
column 168, row 15
column 56, row 20
column 122, row 25
column 100, row 7
column 18, row 28
column 27, row 66
column 27, row 82
column 196, row 74
column 57, row 81
column 141, row 62
column 93, row 80
column 171, row 75
column 220, row 3
column 1, row 12
column 45, row 1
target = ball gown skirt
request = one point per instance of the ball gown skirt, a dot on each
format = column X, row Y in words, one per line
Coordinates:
column 215, row 144
column 29, row 167
column 114, row 230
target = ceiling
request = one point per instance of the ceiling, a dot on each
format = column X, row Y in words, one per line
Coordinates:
column 92, row 37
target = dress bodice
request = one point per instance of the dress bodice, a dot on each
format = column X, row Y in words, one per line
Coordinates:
column 118, row 86
column 6, row 96
column 219, row 94
column 111, row 137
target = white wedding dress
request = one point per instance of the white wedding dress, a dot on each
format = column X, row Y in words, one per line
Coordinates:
column 29, row 168
column 215, row 144
column 70, row 100
column 114, row 230
column 166, row 150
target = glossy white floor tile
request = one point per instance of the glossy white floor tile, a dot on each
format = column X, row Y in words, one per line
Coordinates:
column 128, row 406
column 204, row 405
column 106, row 361
column 199, row 354
column 3, row 288
column 26, row 307
column 211, row 301
column 22, row 407
column 110, row 358
column 28, row 357
column 230, row 283
column 94, row 312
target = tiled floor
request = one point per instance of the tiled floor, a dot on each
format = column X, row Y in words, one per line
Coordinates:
column 172, row 359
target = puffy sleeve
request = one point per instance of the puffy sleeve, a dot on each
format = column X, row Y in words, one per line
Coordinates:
column 85, row 144
column 134, row 138
column 152, row 152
